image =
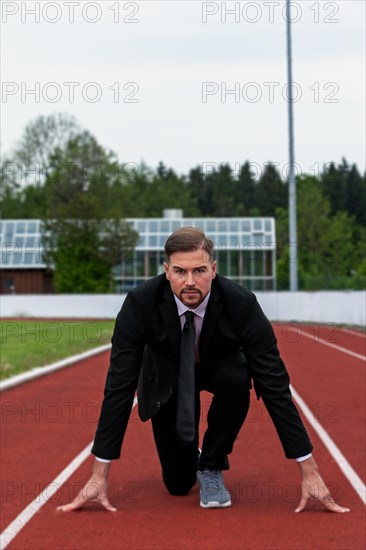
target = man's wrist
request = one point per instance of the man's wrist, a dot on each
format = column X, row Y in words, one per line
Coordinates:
column 308, row 467
column 101, row 469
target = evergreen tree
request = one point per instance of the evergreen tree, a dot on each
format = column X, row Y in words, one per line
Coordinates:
column 356, row 195
column 196, row 183
column 334, row 185
column 223, row 192
column 270, row 192
column 245, row 191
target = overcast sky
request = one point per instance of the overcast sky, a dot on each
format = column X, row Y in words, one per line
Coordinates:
column 151, row 79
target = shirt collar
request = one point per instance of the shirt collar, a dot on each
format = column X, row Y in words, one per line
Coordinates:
column 200, row 310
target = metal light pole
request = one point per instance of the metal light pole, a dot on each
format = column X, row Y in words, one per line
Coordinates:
column 292, row 180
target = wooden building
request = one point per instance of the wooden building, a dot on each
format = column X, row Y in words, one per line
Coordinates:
column 23, row 269
column 26, row 281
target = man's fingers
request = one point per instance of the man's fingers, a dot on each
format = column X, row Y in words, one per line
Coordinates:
column 80, row 501
column 338, row 509
column 326, row 499
column 75, row 505
column 71, row 506
column 331, row 505
column 302, row 504
column 107, row 505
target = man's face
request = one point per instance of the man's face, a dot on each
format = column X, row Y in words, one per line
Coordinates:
column 190, row 275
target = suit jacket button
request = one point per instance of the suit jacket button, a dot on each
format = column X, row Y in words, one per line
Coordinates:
column 171, row 389
column 158, row 404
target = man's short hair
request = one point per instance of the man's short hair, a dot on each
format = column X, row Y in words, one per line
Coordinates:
column 188, row 239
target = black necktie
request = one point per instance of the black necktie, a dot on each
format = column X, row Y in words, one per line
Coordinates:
column 185, row 422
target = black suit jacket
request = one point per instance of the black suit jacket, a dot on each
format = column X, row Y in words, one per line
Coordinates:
column 145, row 356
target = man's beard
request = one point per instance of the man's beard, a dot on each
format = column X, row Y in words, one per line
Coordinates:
column 195, row 293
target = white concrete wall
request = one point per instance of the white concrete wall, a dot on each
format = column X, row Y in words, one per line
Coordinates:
column 341, row 307
column 347, row 307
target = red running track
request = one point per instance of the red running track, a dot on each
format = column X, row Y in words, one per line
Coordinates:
column 46, row 423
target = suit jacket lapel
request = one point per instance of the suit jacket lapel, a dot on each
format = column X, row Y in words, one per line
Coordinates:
column 212, row 314
column 169, row 312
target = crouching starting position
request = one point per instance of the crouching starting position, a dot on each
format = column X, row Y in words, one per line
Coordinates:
column 177, row 334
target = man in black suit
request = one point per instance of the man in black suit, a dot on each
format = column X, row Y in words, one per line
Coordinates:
column 169, row 356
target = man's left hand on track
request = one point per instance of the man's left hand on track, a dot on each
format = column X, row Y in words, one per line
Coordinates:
column 313, row 486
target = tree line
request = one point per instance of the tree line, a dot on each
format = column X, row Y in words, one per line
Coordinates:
column 60, row 173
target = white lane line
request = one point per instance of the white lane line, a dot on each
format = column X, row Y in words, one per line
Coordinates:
column 20, row 521
column 13, row 529
column 328, row 442
column 354, row 332
column 47, row 369
column 339, row 348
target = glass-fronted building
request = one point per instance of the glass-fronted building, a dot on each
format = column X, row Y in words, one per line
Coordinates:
column 245, row 250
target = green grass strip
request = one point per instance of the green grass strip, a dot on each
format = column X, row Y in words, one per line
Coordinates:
column 26, row 344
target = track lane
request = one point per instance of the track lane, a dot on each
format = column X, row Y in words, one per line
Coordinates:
column 263, row 484
column 45, row 424
column 332, row 384
column 353, row 340
column 348, row 340
column 264, row 487
column 330, row 335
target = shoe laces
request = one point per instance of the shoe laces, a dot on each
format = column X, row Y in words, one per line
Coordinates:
column 212, row 480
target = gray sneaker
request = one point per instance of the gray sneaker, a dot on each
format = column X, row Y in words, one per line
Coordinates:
column 213, row 491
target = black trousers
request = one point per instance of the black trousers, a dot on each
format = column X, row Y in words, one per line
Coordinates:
column 228, row 379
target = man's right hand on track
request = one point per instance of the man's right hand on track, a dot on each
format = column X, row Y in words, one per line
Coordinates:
column 95, row 490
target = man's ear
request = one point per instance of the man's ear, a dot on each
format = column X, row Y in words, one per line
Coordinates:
column 213, row 266
column 166, row 269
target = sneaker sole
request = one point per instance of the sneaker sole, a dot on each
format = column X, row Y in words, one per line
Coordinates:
column 215, row 504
